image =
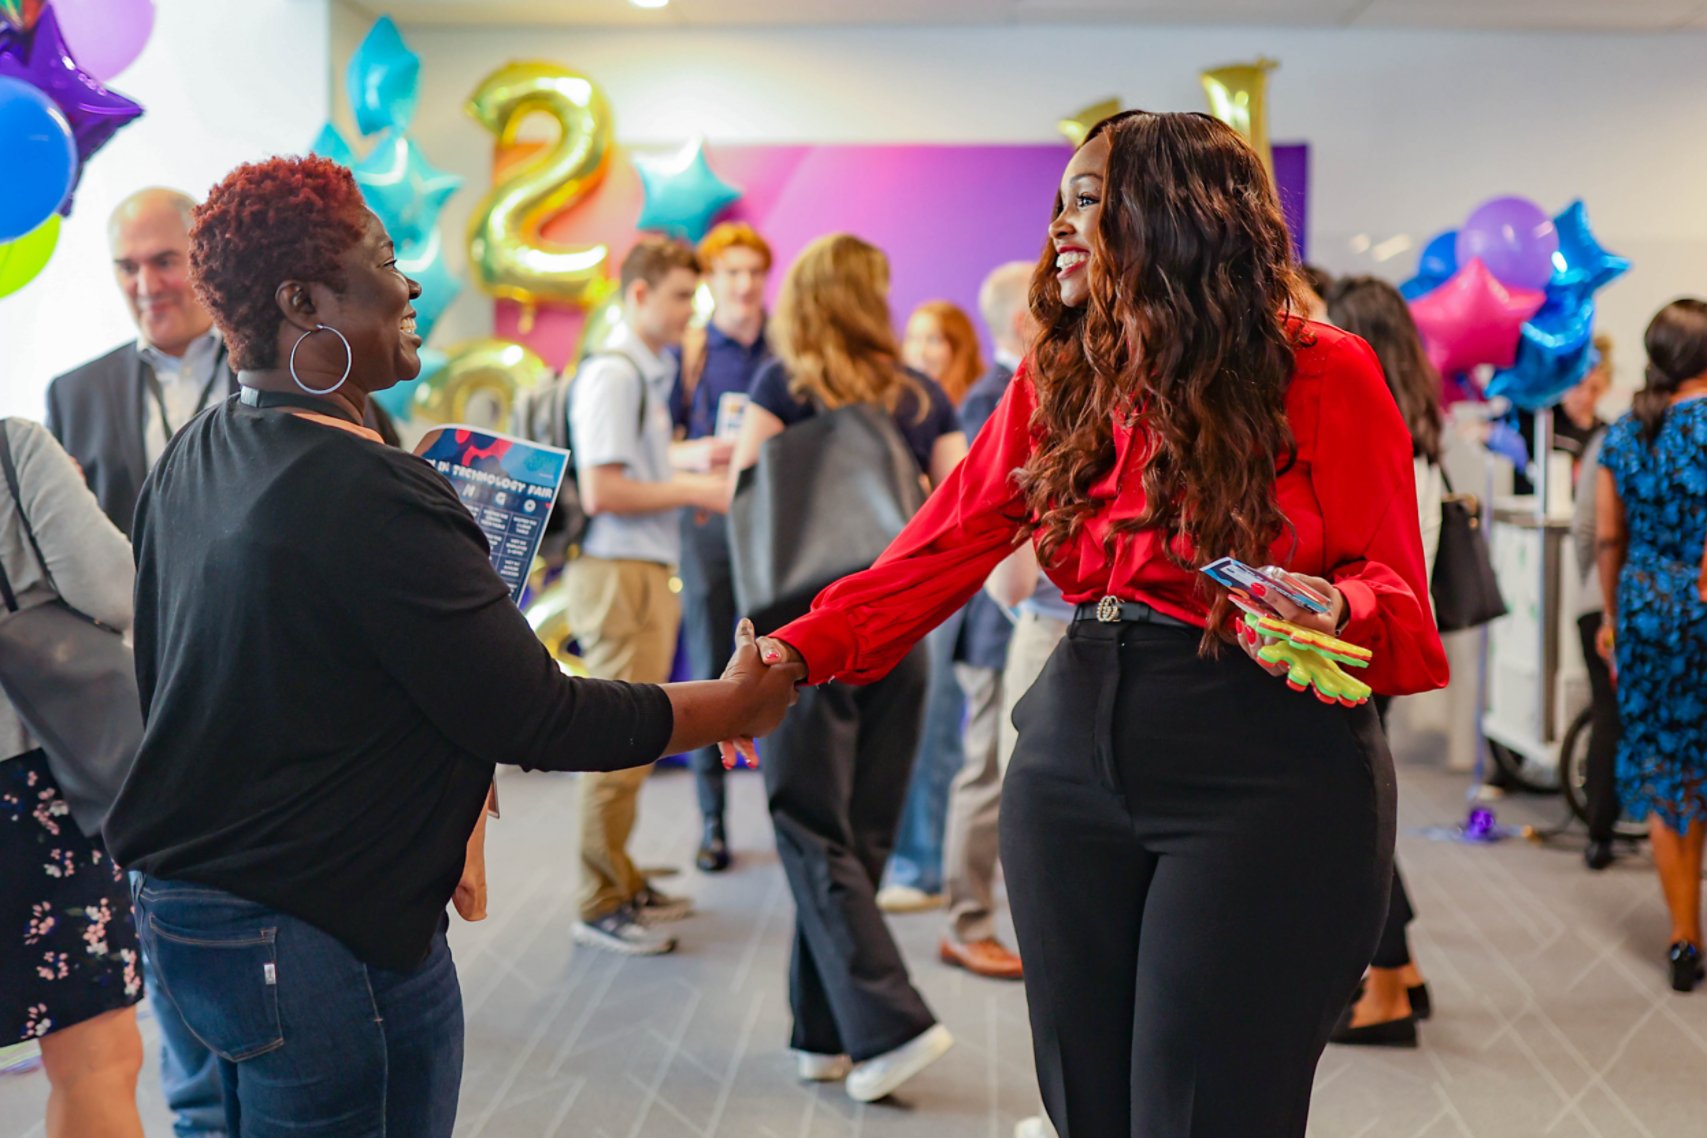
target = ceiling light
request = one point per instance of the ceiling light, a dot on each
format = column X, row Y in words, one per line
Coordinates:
column 650, row 3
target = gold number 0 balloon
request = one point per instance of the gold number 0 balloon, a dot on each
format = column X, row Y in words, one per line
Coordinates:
column 479, row 383
column 510, row 259
column 1238, row 96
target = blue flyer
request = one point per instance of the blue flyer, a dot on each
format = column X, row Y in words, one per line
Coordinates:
column 508, row 485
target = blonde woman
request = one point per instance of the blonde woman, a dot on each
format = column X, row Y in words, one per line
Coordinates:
column 941, row 343
column 837, row 772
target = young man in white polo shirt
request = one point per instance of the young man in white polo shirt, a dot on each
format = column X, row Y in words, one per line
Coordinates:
column 620, row 605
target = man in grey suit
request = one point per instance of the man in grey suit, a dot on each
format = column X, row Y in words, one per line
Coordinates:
column 115, row 414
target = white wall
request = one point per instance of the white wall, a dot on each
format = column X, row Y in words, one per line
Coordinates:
column 221, row 82
column 1410, row 129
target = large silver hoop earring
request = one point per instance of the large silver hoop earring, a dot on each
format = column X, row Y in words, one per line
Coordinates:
column 349, row 360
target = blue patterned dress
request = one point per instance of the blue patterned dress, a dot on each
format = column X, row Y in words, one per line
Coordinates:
column 1662, row 623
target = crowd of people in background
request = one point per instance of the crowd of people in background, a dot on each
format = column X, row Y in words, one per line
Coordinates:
column 293, row 832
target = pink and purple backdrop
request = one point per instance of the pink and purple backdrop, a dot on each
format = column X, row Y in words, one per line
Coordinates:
column 946, row 215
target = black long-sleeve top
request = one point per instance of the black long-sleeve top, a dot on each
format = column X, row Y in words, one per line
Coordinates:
column 329, row 669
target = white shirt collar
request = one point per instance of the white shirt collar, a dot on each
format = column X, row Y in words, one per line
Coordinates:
column 1007, row 359
column 200, row 351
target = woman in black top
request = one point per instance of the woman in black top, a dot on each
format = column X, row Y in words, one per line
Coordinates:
column 330, row 668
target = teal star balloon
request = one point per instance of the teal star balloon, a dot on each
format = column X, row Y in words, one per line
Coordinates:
column 682, row 194
column 425, row 264
column 330, row 144
column 384, row 80
column 403, row 188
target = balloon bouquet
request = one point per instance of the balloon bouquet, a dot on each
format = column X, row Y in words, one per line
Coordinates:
column 56, row 112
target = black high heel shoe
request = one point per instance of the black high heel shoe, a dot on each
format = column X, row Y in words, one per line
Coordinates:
column 1421, row 1006
column 1686, row 968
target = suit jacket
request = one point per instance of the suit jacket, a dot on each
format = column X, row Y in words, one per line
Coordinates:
column 984, row 636
column 97, row 413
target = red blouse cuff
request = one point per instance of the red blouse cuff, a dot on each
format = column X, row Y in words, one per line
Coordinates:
column 825, row 640
column 1363, row 624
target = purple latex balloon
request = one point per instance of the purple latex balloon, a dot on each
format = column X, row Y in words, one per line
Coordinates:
column 41, row 58
column 1514, row 238
column 105, row 35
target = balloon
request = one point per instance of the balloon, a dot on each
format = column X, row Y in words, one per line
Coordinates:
column 106, row 36
column 41, row 158
column 1435, row 267
column 602, row 319
column 330, row 144
column 22, row 259
column 682, row 194
column 20, row 14
column 1238, row 96
column 41, row 59
column 403, row 188
column 384, row 80
column 1078, row 124
column 479, row 383
column 398, row 400
column 1582, row 265
column 1514, row 237
column 1556, row 351
column 548, row 615
column 425, row 263
column 1473, row 319
column 508, row 257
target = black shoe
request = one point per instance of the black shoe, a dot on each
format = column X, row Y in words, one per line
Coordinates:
column 1421, row 1006
column 1686, row 969
column 1400, row 1032
column 713, row 856
column 1598, row 854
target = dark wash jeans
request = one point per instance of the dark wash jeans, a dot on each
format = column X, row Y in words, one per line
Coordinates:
column 312, row 1043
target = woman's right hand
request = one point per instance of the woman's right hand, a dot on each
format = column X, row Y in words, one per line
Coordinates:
column 766, row 679
column 1606, row 638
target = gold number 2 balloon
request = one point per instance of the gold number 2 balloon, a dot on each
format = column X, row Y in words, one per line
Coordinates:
column 1238, row 96
column 509, row 257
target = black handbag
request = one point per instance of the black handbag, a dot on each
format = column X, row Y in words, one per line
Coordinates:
column 72, row 681
column 824, row 500
column 1466, row 592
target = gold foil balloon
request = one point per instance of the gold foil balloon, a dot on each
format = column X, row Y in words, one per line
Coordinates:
column 479, row 383
column 509, row 257
column 1238, row 96
column 601, row 322
column 1078, row 124
column 548, row 615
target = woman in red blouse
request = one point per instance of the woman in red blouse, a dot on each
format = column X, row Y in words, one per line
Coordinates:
column 1197, row 856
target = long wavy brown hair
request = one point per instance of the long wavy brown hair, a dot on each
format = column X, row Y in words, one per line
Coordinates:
column 1185, row 335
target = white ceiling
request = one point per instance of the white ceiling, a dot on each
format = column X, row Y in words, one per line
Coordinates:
column 1523, row 15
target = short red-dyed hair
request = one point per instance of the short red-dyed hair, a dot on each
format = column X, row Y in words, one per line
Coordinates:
column 266, row 223
column 727, row 235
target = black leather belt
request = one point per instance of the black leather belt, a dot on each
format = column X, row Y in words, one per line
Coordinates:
column 1113, row 610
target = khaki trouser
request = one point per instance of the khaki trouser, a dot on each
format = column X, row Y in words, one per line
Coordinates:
column 625, row 619
column 969, row 847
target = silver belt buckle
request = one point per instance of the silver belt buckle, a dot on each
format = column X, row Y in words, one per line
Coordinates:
column 1108, row 610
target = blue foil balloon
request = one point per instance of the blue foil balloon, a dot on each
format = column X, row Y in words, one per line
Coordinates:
column 404, row 189
column 40, row 158
column 384, row 80
column 1582, row 265
column 682, row 194
column 1555, row 352
column 330, row 144
column 1435, row 267
column 425, row 264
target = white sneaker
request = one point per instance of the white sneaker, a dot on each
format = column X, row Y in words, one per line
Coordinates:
column 907, row 899
column 816, row 1068
column 622, row 932
column 882, row 1075
column 1035, row 1127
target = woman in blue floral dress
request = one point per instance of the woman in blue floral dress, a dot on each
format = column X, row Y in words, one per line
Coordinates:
column 1652, row 528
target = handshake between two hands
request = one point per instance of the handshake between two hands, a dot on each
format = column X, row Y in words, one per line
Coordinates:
column 770, row 671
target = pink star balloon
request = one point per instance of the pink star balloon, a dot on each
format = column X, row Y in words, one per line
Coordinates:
column 1474, row 319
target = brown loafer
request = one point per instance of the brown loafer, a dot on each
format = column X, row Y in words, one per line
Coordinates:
column 987, row 958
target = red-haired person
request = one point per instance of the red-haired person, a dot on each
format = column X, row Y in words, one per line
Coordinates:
column 330, row 670
column 1172, row 806
column 941, row 342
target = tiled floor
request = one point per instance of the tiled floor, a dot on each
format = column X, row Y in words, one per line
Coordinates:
column 1552, row 1014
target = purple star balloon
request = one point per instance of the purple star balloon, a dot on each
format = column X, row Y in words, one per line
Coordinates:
column 39, row 57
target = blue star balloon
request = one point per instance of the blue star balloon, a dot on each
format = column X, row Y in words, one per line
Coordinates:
column 1582, row 265
column 330, row 144
column 404, row 189
column 40, row 58
column 682, row 194
column 384, row 80
column 1555, row 352
column 1435, row 267
column 425, row 263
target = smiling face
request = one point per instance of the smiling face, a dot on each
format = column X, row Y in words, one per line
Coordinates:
column 373, row 311
column 737, row 282
column 1074, row 231
column 925, row 348
column 150, row 242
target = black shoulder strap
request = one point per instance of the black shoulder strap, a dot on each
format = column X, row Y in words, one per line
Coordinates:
column 11, row 472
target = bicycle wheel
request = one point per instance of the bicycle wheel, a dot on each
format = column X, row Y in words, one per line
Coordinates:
column 1573, row 765
column 1520, row 773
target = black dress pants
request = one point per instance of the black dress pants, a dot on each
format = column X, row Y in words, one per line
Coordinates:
column 1604, row 732
column 708, row 624
column 1167, row 822
column 836, row 773
column 1393, row 950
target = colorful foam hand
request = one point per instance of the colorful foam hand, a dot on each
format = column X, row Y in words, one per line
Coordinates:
column 1312, row 660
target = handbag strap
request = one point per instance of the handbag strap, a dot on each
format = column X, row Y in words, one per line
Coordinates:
column 11, row 472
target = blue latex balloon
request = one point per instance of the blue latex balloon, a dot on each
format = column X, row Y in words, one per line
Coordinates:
column 40, row 158
column 682, row 194
column 1582, row 266
column 425, row 263
column 384, row 79
column 399, row 399
column 330, row 144
column 1435, row 267
column 404, row 189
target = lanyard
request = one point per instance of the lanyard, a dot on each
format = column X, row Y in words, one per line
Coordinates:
column 152, row 382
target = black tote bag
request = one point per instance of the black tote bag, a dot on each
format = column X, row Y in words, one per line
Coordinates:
column 826, row 497
column 1466, row 593
column 72, row 681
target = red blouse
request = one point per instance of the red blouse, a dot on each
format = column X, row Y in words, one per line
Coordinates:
column 1350, row 496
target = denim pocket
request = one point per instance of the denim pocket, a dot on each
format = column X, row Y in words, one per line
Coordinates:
column 222, row 973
